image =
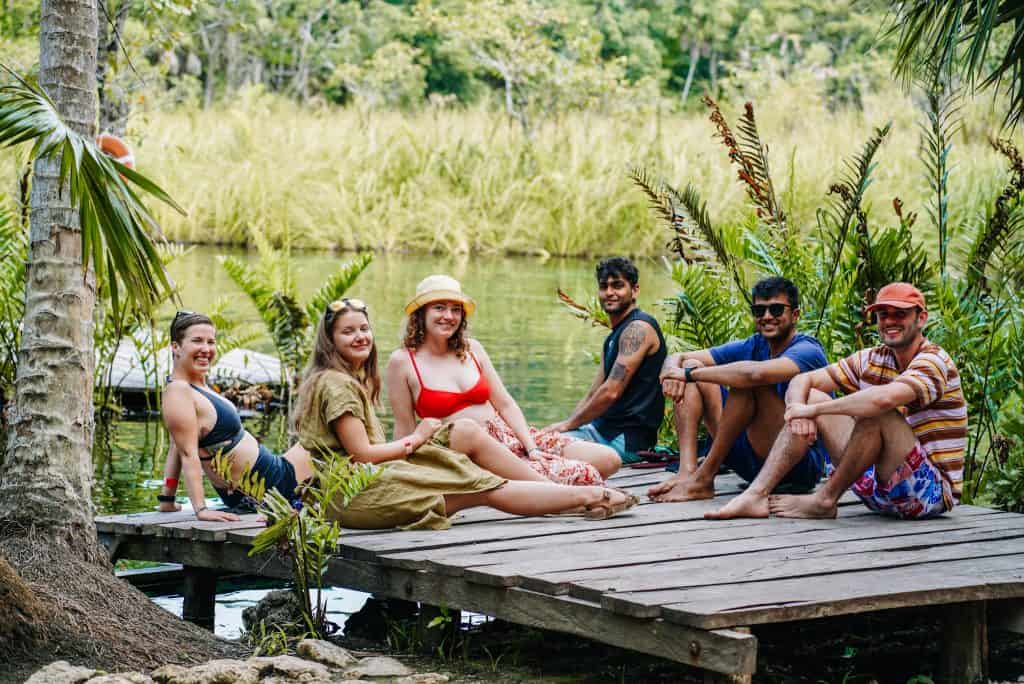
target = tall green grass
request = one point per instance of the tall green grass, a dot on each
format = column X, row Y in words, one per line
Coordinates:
column 466, row 181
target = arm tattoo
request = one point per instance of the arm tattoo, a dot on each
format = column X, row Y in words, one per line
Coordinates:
column 618, row 372
column 632, row 338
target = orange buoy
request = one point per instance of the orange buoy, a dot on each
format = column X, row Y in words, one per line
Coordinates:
column 117, row 149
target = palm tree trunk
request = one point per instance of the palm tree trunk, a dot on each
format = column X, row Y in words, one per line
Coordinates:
column 46, row 478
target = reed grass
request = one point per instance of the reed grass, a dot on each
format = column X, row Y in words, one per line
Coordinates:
column 465, row 181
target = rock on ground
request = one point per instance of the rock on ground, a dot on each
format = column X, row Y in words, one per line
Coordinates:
column 122, row 678
column 325, row 652
column 425, row 678
column 378, row 666
column 291, row 669
column 278, row 608
column 62, row 672
column 221, row 671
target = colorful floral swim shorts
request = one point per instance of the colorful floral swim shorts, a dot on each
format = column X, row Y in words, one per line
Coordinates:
column 916, row 490
column 552, row 464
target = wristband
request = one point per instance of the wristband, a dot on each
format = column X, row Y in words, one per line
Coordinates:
column 200, row 510
column 171, row 483
column 688, row 374
column 165, row 498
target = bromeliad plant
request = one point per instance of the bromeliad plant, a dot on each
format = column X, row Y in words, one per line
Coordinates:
column 841, row 262
column 302, row 529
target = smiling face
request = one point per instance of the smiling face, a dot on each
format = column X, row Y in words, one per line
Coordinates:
column 353, row 337
column 616, row 294
column 197, row 349
column 900, row 328
column 777, row 325
column 442, row 319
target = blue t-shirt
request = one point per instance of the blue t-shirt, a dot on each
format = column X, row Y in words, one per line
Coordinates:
column 805, row 351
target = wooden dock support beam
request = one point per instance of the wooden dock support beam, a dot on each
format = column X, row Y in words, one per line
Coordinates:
column 200, row 594
column 964, row 654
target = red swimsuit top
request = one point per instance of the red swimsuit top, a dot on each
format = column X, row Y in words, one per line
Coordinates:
column 440, row 404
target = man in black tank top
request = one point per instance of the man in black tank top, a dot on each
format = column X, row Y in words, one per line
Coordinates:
column 624, row 406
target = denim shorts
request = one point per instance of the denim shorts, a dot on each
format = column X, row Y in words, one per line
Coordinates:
column 591, row 434
column 277, row 472
column 916, row 490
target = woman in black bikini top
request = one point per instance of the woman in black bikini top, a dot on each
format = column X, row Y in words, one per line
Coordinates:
column 202, row 424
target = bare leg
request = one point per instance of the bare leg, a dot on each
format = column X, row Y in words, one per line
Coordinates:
column 883, row 441
column 701, row 401
column 744, row 409
column 600, row 456
column 531, row 498
column 469, row 438
column 785, row 453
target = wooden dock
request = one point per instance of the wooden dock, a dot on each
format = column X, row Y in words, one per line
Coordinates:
column 659, row 579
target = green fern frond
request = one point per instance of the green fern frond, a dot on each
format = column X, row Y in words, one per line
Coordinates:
column 337, row 284
column 941, row 110
column 248, row 281
column 1002, row 225
column 757, row 178
column 835, row 221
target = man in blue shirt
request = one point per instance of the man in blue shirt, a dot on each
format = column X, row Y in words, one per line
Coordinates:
column 738, row 391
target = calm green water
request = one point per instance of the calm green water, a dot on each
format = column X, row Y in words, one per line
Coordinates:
column 542, row 353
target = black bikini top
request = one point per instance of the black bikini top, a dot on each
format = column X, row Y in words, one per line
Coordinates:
column 227, row 431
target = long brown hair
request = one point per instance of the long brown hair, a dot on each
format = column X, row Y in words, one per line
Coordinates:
column 416, row 332
column 326, row 357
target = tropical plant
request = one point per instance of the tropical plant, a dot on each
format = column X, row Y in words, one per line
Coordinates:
column 13, row 252
column 270, row 284
column 963, row 36
column 305, row 529
column 840, row 265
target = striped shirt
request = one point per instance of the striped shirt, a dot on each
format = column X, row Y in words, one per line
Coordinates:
column 938, row 415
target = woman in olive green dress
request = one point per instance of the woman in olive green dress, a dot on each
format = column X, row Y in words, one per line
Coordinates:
column 427, row 476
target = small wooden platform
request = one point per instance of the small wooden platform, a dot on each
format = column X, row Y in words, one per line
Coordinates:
column 659, row 579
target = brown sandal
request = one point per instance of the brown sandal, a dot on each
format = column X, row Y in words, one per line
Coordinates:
column 605, row 509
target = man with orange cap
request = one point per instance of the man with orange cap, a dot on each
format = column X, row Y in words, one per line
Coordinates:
column 897, row 436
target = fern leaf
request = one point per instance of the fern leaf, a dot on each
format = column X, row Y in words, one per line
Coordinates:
column 337, row 285
column 590, row 312
column 1002, row 225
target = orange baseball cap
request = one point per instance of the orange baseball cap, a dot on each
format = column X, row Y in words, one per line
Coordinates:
column 900, row 296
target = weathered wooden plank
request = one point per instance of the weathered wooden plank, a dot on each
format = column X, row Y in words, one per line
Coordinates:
column 853, row 591
column 226, row 557
column 752, row 560
column 139, row 523
column 722, row 651
column 202, row 530
column 616, row 564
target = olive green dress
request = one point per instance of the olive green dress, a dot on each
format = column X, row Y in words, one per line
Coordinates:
column 409, row 493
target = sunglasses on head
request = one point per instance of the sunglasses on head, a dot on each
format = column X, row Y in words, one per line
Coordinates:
column 775, row 310
column 343, row 304
column 183, row 312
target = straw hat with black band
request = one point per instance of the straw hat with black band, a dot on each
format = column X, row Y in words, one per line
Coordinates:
column 439, row 288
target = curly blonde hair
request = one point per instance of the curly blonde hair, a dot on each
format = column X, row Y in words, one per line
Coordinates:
column 416, row 333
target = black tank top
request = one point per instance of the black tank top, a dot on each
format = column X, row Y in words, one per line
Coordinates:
column 637, row 414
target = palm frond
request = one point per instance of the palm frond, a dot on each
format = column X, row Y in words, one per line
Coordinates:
column 337, row 285
column 959, row 34
column 835, row 220
column 756, row 176
column 701, row 316
column 1002, row 225
column 117, row 228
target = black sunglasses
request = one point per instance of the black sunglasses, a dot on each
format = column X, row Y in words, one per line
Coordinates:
column 344, row 304
column 775, row 310
column 183, row 312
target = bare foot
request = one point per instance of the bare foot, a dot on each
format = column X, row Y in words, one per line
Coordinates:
column 749, row 504
column 801, row 506
column 663, row 487
column 687, row 489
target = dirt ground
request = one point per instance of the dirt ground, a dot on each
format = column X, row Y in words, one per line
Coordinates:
column 893, row 647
